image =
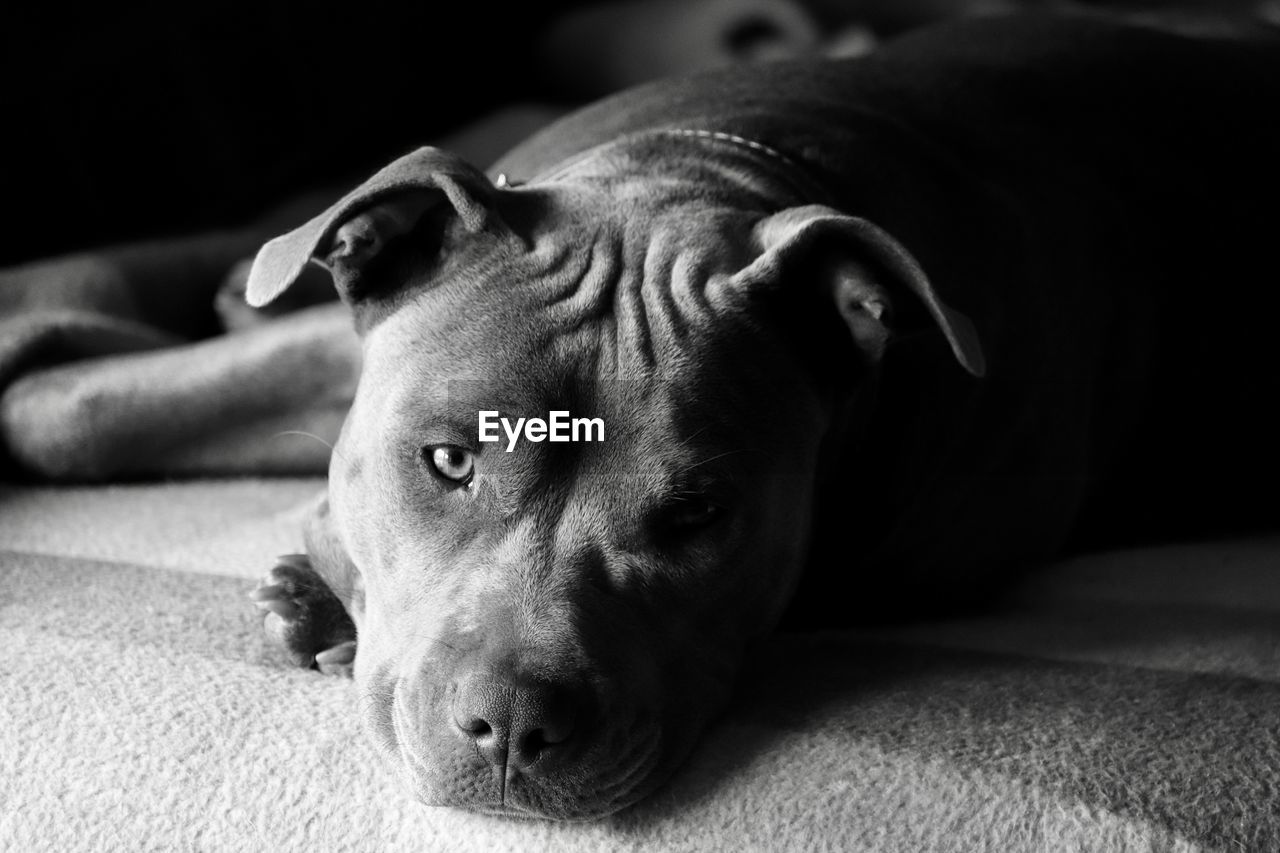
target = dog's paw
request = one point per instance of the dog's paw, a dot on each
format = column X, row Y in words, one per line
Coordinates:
column 305, row 617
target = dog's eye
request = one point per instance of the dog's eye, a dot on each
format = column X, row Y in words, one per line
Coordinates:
column 455, row 464
column 692, row 512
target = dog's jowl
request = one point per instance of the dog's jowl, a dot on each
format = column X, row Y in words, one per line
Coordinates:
column 857, row 336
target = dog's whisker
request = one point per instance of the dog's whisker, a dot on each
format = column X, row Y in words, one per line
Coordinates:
column 684, row 442
column 717, row 457
column 306, row 434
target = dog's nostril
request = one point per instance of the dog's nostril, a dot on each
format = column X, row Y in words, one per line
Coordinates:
column 556, row 729
column 533, row 743
column 475, row 726
column 529, row 749
column 514, row 726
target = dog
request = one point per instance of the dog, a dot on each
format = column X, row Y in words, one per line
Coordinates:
column 863, row 336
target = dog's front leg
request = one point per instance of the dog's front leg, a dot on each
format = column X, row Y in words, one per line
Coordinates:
column 314, row 601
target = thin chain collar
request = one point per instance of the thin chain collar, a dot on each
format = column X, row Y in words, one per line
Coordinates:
column 795, row 174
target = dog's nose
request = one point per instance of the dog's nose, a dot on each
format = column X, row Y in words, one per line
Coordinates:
column 515, row 725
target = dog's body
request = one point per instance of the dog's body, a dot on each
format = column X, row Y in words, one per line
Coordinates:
column 902, row 314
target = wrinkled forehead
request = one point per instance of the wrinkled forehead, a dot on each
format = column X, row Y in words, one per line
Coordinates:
column 577, row 287
column 595, row 306
column 510, row 363
column 442, row 366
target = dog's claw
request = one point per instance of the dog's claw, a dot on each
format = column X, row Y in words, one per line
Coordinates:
column 283, row 608
column 267, row 592
column 337, row 660
column 304, row 616
column 344, row 653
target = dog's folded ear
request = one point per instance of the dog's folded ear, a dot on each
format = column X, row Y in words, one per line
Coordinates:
column 351, row 233
column 860, row 267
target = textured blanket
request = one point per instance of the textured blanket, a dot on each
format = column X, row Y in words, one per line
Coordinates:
column 1126, row 702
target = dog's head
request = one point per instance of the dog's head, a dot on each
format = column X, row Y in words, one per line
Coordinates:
column 545, row 626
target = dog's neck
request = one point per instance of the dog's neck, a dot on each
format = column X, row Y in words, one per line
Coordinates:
column 737, row 171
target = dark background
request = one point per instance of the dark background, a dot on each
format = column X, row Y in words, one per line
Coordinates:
column 122, row 123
